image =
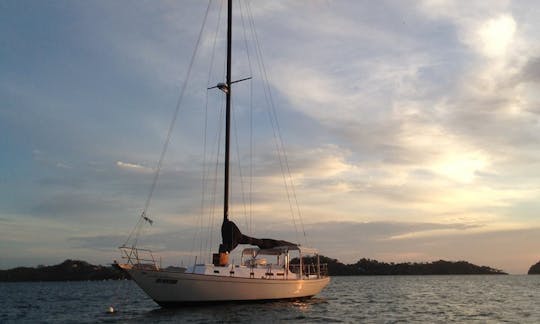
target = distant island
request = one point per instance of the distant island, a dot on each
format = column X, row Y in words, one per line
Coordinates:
column 534, row 269
column 76, row 270
column 367, row 267
column 69, row 270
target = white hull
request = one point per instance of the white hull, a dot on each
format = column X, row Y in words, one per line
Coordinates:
column 168, row 288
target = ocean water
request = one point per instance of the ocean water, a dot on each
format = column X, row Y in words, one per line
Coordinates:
column 384, row 299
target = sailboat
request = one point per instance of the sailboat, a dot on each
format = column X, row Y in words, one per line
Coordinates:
column 269, row 269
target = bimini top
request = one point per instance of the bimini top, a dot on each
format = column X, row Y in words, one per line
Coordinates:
column 253, row 251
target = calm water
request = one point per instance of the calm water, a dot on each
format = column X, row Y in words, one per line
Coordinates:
column 347, row 299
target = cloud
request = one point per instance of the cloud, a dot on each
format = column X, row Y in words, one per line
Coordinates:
column 413, row 118
column 133, row 167
column 63, row 165
column 530, row 71
column 330, row 236
column 71, row 206
column 47, row 160
column 496, row 35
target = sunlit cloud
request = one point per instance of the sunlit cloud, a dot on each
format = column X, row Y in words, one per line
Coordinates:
column 495, row 36
column 133, row 167
column 461, row 166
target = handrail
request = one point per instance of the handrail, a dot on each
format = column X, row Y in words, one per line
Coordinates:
column 139, row 257
column 310, row 269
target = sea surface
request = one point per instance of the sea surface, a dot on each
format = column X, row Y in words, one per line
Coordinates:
column 379, row 299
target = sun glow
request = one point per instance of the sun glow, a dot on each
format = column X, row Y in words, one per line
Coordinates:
column 496, row 35
column 461, row 167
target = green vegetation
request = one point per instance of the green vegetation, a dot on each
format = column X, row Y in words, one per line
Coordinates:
column 367, row 267
column 69, row 270
column 534, row 269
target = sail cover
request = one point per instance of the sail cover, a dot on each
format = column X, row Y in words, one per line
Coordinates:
column 231, row 236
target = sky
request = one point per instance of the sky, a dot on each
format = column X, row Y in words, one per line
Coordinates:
column 411, row 129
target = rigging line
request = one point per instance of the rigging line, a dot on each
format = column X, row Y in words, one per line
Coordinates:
column 204, row 178
column 244, row 29
column 250, row 228
column 203, row 181
column 284, row 152
column 133, row 231
column 214, row 194
column 278, row 128
column 242, row 191
column 173, row 121
column 273, row 119
column 211, row 216
column 266, row 89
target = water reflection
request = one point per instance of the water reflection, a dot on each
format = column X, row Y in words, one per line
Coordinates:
column 354, row 299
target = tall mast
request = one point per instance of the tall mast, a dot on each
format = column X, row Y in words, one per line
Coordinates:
column 227, row 113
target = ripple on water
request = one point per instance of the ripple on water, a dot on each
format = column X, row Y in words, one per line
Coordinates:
column 433, row 299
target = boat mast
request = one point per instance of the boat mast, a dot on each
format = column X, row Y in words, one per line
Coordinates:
column 227, row 114
column 230, row 233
